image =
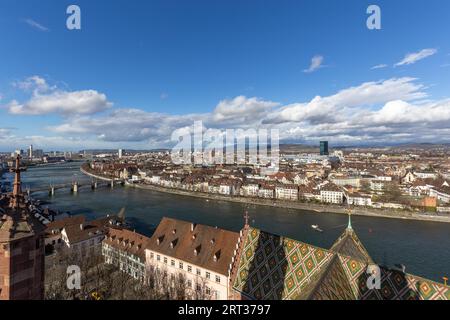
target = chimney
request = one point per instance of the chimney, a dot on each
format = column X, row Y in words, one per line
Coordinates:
column 193, row 227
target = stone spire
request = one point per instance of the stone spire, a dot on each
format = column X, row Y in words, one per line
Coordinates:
column 17, row 187
column 246, row 219
column 349, row 226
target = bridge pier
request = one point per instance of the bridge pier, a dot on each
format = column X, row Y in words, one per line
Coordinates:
column 51, row 192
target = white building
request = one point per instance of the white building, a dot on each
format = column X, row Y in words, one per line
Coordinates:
column 442, row 194
column 85, row 239
column 356, row 199
column 249, row 190
column 126, row 250
column 426, row 175
column 377, row 185
column 286, row 192
column 202, row 255
column 331, row 194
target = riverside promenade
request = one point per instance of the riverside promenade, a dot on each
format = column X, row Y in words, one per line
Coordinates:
column 310, row 207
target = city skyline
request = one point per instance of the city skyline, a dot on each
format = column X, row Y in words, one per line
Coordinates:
column 128, row 80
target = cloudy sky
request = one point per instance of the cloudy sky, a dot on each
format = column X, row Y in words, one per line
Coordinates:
column 137, row 71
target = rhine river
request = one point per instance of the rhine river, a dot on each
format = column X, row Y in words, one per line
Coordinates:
column 423, row 247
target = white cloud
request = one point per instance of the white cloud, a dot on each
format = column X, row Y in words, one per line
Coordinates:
column 4, row 133
column 62, row 102
column 379, row 66
column 411, row 58
column 316, row 63
column 324, row 109
column 401, row 112
column 242, row 109
column 35, row 25
column 33, row 83
column 46, row 99
column 394, row 110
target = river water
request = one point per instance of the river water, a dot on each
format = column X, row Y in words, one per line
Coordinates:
column 423, row 247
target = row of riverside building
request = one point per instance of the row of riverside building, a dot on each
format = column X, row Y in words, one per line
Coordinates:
column 251, row 264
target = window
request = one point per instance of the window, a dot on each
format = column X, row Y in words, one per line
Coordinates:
column 199, row 287
column 217, row 279
column 181, row 265
column 189, row 284
column 208, row 275
column 189, row 268
column 199, row 272
column 165, row 260
column 151, row 255
column 208, row 291
column 172, row 263
column 158, row 257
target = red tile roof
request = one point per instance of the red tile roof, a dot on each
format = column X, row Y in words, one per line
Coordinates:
column 208, row 247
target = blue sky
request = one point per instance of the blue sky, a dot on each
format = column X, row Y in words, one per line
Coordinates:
column 138, row 70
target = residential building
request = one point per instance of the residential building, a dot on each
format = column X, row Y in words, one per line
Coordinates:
column 357, row 199
column 442, row 194
column 266, row 191
column 286, row 192
column 331, row 193
column 53, row 235
column 126, row 250
column 203, row 255
column 86, row 238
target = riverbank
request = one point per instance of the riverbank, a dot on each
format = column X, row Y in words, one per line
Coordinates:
column 298, row 205
column 92, row 175
column 311, row 207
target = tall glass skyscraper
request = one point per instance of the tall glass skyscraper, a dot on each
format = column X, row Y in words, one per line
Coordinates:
column 324, row 148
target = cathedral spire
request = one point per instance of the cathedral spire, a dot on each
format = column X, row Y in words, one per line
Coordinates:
column 17, row 187
column 349, row 226
column 246, row 219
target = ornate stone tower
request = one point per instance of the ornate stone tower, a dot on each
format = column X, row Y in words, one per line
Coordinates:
column 21, row 246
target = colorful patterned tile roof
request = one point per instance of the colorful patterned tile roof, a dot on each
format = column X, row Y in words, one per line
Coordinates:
column 272, row 267
column 348, row 244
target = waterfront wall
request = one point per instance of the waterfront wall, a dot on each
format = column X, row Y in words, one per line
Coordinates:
column 298, row 205
column 319, row 208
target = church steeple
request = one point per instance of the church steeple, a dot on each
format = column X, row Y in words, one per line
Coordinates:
column 17, row 187
column 349, row 226
column 246, row 224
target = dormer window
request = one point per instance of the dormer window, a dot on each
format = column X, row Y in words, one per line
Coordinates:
column 174, row 231
column 216, row 256
column 173, row 243
column 197, row 250
column 213, row 241
column 194, row 237
column 159, row 240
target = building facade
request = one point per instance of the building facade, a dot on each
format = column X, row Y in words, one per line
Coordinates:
column 126, row 250
column 202, row 255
